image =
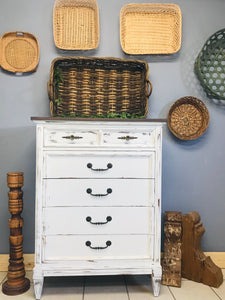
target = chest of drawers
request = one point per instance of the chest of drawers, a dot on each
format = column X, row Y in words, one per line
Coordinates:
column 98, row 199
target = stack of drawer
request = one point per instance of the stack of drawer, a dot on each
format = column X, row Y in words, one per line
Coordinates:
column 97, row 197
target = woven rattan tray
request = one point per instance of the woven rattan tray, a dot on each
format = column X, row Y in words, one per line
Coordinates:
column 76, row 24
column 98, row 87
column 19, row 52
column 150, row 28
column 210, row 66
column 188, row 118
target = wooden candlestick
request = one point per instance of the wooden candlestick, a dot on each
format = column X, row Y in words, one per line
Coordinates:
column 16, row 283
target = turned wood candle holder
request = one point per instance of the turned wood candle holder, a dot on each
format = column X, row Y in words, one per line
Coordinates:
column 16, row 282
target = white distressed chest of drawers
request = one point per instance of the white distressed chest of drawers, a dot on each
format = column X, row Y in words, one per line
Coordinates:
column 98, row 199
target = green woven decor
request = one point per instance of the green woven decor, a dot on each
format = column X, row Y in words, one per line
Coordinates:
column 210, row 66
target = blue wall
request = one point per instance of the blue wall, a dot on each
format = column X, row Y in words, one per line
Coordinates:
column 193, row 172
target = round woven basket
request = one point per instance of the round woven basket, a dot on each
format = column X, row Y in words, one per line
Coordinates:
column 210, row 66
column 188, row 118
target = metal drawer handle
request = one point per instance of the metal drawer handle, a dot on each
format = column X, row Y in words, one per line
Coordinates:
column 127, row 138
column 108, row 219
column 109, row 166
column 108, row 244
column 89, row 191
column 72, row 137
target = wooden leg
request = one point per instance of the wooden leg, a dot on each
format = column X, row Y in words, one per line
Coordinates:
column 38, row 286
column 156, row 280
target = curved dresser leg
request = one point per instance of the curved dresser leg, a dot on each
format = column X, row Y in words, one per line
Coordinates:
column 156, row 280
column 38, row 285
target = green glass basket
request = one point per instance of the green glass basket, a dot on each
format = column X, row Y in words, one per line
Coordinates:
column 210, row 66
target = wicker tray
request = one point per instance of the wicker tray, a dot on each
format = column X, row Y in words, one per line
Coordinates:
column 19, row 52
column 188, row 118
column 210, row 66
column 99, row 87
column 76, row 24
column 150, row 28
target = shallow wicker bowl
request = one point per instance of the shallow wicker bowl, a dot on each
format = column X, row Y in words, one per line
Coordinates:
column 150, row 28
column 188, row 118
column 76, row 24
column 210, row 66
column 19, row 52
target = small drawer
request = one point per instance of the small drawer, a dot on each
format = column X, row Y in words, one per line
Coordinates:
column 73, row 247
column 98, row 192
column 131, row 138
column 73, row 165
column 103, row 220
column 70, row 138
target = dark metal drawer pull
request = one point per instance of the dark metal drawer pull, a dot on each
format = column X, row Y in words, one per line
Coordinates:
column 108, row 219
column 109, row 166
column 72, row 137
column 127, row 138
column 89, row 191
column 108, row 243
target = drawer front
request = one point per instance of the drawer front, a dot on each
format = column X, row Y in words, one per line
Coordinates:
column 128, row 138
column 70, row 138
column 101, row 220
column 73, row 247
column 99, row 192
column 96, row 166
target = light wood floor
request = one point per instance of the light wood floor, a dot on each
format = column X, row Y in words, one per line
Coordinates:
column 116, row 288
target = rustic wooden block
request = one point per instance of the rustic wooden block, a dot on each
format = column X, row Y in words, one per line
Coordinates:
column 196, row 265
column 171, row 264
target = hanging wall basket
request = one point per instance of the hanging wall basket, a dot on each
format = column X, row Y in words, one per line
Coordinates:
column 76, row 24
column 188, row 118
column 210, row 66
column 19, row 52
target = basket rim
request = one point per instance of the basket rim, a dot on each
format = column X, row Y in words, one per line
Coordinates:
column 149, row 7
column 94, row 6
column 24, row 36
column 200, row 105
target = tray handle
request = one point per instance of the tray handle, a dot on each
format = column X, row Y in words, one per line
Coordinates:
column 149, row 87
column 50, row 89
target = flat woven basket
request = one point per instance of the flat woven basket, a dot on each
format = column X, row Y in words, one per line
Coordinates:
column 76, row 24
column 19, row 52
column 188, row 118
column 150, row 28
column 94, row 87
column 210, row 66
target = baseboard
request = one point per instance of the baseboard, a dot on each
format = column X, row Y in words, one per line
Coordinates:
column 217, row 257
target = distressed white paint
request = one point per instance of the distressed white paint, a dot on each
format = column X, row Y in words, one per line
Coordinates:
column 64, row 148
column 124, row 220
column 56, row 190
column 65, row 164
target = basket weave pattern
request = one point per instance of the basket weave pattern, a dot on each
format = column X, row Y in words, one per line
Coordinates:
column 210, row 66
column 150, row 28
column 97, row 86
column 188, row 118
column 76, row 24
column 19, row 52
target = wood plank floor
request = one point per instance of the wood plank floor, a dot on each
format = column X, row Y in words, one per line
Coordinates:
column 116, row 288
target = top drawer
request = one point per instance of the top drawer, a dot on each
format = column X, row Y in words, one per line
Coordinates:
column 74, row 137
column 70, row 138
column 131, row 138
